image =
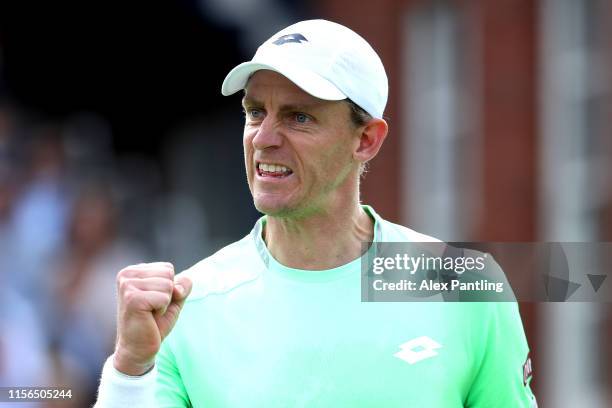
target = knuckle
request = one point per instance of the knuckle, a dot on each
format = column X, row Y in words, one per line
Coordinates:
column 127, row 271
column 130, row 297
column 122, row 273
column 123, row 284
column 168, row 273
column 167, row 286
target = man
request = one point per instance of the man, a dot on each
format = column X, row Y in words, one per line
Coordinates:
column 276, row 319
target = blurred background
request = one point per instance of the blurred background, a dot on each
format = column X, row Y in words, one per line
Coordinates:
column 116, row 147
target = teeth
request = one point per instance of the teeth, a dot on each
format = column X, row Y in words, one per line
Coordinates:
column 273, row 168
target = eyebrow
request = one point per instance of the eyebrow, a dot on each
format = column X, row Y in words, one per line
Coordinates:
column 249, row 101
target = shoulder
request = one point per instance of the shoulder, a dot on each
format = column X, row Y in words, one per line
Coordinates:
column 392, row 232
column 225, row 270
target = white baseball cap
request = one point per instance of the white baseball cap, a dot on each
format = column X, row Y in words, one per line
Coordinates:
column 327, row 60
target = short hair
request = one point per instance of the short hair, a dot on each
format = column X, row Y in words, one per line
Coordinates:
column 359, row 117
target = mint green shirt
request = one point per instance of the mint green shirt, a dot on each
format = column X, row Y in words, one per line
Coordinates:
column 255, row 333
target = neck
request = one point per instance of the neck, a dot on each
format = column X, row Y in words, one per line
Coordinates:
column 323, row 240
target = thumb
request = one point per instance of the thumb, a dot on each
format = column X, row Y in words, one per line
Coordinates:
column 182, row 288
column 166, row 321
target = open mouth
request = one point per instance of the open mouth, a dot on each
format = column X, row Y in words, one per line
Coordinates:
column 273, row 170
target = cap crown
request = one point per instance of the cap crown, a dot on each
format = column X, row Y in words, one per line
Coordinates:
column 325, row 59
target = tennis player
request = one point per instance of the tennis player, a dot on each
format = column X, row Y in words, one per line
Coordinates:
column 276, row 319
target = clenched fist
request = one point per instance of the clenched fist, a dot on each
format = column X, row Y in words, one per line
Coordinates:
column 150, row 299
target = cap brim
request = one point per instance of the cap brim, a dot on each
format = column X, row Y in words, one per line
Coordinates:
column 308, row 81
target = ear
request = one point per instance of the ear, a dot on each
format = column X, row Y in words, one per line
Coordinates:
column 371, row 137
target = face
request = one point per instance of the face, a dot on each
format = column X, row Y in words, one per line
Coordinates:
column 298, row 149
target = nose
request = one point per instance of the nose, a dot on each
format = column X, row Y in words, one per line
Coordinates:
column 268, row 134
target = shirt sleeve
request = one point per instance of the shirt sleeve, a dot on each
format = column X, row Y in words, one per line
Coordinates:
column 504, row 374
column 119, row 390
column 170, row 390
column 162, row 387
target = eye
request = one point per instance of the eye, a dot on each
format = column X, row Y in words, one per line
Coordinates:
column 301, row 118
column 254, row 113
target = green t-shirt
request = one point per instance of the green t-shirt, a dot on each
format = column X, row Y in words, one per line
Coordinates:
column 255, row 333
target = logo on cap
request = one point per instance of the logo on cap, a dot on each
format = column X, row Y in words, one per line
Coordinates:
column 296, row 38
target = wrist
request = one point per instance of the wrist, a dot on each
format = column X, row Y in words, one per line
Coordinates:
column 123, row 363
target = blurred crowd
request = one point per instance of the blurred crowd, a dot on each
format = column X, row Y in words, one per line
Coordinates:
column 72, row 214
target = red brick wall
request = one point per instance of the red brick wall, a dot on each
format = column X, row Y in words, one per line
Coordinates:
column 509, row 120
